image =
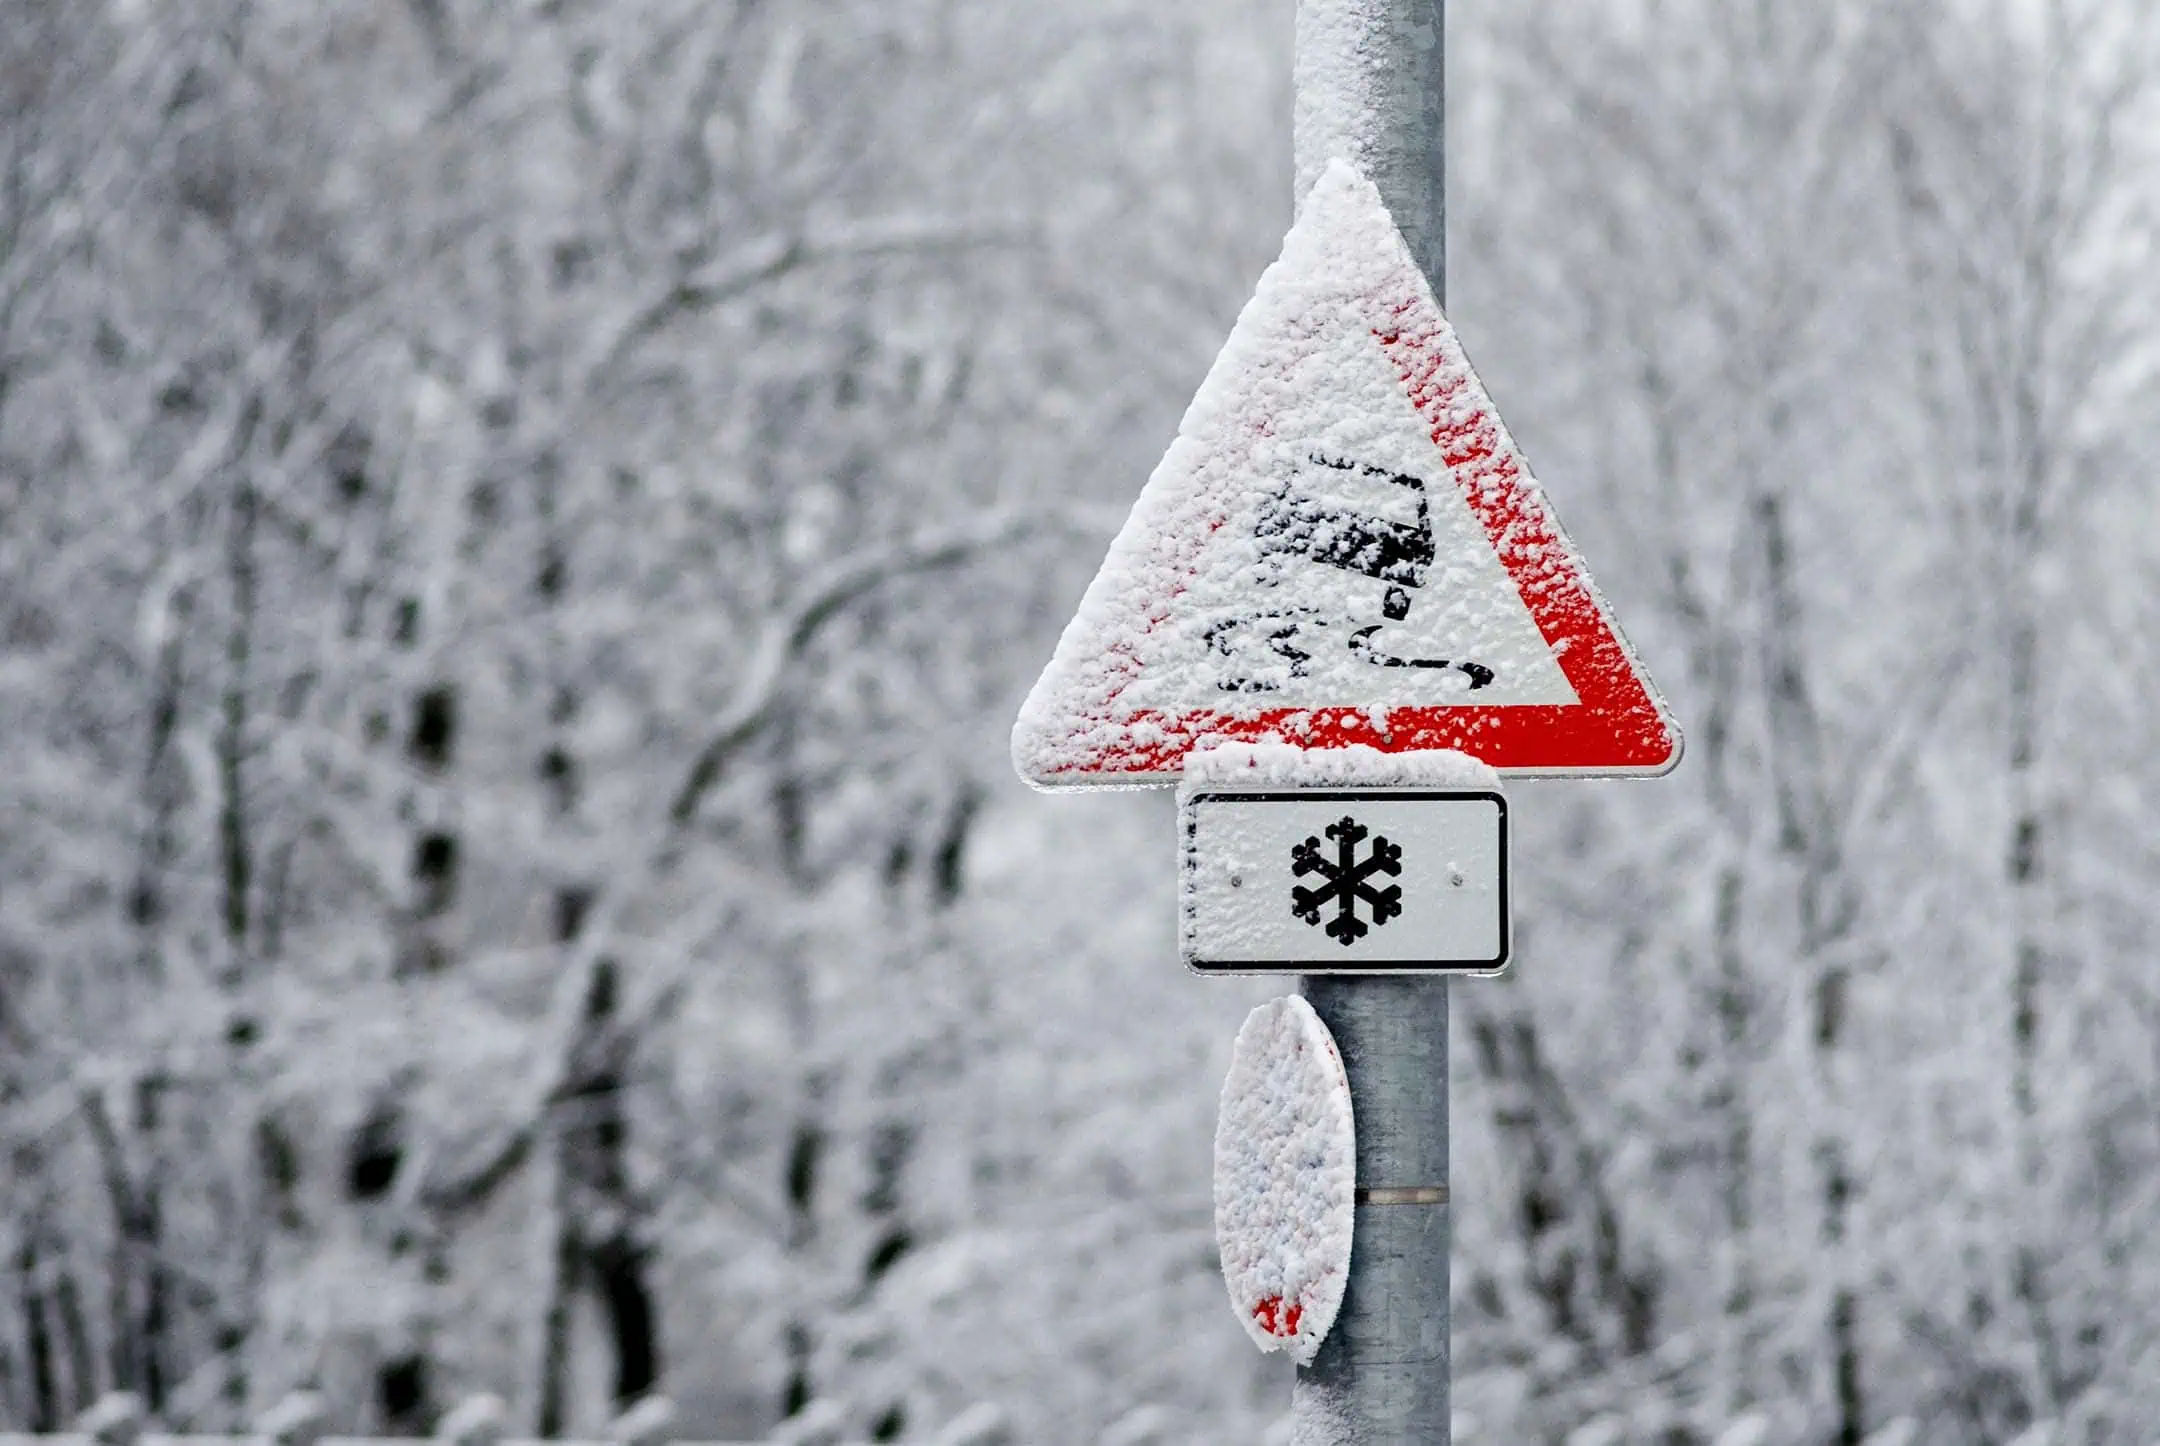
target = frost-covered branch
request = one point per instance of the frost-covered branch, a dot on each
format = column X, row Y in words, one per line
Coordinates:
column 768, row 258
column 787, row 637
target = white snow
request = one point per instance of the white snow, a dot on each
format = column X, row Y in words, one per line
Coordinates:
column 1285, row 1178
column 1306, row 543
column 1283, row 765
column 1339, row 87
column 1322, row 1416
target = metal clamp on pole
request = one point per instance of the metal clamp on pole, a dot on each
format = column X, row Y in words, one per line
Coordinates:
column 1402, row 1195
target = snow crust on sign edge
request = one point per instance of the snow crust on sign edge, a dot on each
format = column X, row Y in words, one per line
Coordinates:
column 1284, row 1235
column 1284, row 765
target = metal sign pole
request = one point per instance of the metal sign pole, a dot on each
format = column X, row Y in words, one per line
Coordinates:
column 1371, row 89
column 1381, row 1377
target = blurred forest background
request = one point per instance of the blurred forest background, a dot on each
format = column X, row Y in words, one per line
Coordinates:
column 523, row 524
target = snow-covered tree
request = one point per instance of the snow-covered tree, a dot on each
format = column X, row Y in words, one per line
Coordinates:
column 525, row 524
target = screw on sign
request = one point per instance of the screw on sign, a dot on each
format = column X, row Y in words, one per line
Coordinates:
column 1346, row 881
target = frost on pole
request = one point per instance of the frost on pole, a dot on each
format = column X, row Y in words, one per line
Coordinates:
column 1342, row 547
column 1285, row 1178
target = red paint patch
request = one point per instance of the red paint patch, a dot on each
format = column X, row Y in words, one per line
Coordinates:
column 1275, row 1319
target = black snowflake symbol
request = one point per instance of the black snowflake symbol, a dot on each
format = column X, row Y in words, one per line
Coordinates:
column 1346, row 884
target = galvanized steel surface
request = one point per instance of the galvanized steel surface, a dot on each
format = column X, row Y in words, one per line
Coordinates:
column 1381, row 1378
column 1371, row 87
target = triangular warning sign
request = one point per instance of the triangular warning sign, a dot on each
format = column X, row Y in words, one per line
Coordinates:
column 1343, row 546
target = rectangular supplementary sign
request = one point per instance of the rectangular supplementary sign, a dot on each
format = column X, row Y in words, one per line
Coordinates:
column 1344, row 881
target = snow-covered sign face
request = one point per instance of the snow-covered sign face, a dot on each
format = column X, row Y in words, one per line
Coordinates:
column 1358, row 881
column 1285, row 1178
column 1341, row 861
column 1342, row 547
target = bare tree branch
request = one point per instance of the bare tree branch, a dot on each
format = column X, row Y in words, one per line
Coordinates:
column 790, row 634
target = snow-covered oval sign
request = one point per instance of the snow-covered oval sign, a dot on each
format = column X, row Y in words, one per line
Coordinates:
column 1285, row 1178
